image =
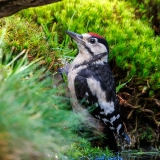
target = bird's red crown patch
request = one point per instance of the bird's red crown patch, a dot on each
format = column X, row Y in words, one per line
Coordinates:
column 95, row 35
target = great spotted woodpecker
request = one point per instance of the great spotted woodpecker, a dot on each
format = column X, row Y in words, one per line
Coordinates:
column 91, row 82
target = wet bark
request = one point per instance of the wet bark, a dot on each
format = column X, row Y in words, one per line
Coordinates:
column 9, row 7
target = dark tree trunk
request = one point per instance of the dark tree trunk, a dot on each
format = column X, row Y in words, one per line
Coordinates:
column 9, row 7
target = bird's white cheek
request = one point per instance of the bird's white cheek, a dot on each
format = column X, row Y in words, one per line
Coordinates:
column 97, row 49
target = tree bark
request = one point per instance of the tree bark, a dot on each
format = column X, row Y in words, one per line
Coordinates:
column 9, row 7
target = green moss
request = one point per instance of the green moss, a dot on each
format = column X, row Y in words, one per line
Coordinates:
column 84, row 150
column 132, row 42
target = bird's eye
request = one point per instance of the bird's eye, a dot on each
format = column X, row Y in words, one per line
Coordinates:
column 92, row 40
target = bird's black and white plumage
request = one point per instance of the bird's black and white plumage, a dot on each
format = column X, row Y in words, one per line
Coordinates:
column 91, row 82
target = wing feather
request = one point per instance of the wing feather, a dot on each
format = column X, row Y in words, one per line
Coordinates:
column 95, row 90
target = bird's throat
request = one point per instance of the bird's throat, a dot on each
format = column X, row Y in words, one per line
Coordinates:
column 94, row 59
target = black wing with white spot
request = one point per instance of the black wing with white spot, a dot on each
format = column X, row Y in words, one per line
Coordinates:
column 95, row 89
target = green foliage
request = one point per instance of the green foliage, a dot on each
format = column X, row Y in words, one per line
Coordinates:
column 34, row 119
column 132, row 42
column 121, row 86
column 148, row 11
column 146, row 133
column 84, row 150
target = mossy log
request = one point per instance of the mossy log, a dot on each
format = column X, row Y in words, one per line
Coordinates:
column 9, row 7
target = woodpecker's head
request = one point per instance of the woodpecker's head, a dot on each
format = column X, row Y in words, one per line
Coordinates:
column 91, row 46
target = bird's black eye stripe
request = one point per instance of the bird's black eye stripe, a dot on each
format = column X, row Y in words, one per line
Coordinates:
column 92, row 40
column 89, row 50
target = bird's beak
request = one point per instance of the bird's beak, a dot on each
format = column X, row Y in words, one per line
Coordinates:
column 76, row 37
